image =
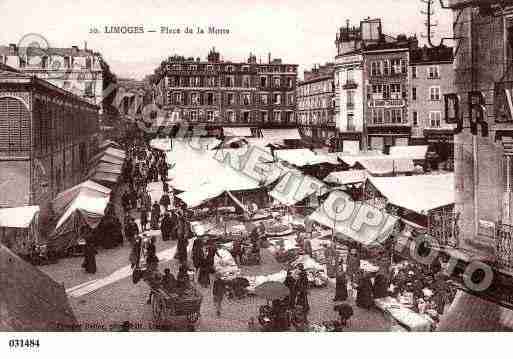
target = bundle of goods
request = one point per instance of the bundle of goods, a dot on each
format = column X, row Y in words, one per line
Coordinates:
column 255, row 281
column 284, row 249
column 278, row 229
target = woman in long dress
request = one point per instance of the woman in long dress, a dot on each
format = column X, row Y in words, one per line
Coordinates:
column 340, row 285
column 155, row 216
column 90, row 257
column 364, row 294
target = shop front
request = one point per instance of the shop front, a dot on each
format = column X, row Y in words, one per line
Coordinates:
column 381, row 139
column 441, row 148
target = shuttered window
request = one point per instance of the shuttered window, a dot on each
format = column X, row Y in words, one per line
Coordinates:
column 14, row 125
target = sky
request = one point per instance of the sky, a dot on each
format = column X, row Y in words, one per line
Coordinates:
column 297, row 31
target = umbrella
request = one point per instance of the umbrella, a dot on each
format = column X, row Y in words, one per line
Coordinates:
column 272, row 290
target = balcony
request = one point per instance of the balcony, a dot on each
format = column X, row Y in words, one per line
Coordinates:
column 350, row 85
column 387, row 103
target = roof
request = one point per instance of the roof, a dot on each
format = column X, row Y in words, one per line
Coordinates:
column 301, row 157
column 105, row 157
column 63, row 199
column 277, row 135
column 351, row 158
column 470, row 313
column 409, row 152
column 294, row 187
column 162, row 144
column 366, row 235
column 384, row 166
column 17, row 217
column 201, row 195
column 29, row 299
column 237, row 131
column 346, row 177
column 417, row 193
column 62, row 51
column 107, row 167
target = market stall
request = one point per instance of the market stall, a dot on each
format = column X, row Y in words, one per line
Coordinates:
column 19, row 230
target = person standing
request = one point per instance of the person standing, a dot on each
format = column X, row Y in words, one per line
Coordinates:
column 353, row 264
column 89, row 257
column 290, row 282
column 302, row 289
column 183, row 242
column 155, row 216
column 144, row 218
column 131, row 230
column 197, row 254
column 166, row 227
column 135, row 253
column 218, row 291
column 364, row 292
column 340, row 284
column 165, row 201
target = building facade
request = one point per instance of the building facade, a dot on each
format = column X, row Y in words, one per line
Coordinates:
column 76, row 70
column 225, row 93
column 315, row 104
column 482, row 109
column 386, row 111
column 349, row 89
column 431, row 75
column 47, row 136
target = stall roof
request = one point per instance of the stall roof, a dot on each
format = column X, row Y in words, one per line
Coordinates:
column 301, row 157
column 277, row 135
column 367, row 235
column 107, row 167
column 201, row 195
column 115, row 152
column 237, row 131
column 470, row 313
column 90, row 206
column 105, row 157
column 109, row 143
column 383, row 166
column 346, row 177
column 350, row 159
column 17, row 217
column 102, row 176
column 294, row 187
column 63, row 199
column 409, row 152
column 29, row 299
column 417, row 193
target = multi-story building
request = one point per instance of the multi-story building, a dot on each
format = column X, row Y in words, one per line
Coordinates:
column 386, row 73
column 315, row 104
column 431, row 75
column 47, row 136
column 80, row 71
column 223, row 93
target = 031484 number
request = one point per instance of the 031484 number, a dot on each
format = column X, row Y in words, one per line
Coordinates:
column 23, row 343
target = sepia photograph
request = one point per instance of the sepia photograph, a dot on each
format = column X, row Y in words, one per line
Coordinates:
column 255, row 166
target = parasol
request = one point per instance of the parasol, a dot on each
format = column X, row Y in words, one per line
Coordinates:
column 272, row 290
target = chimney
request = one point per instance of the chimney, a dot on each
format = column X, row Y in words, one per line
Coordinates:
column 75, row 49
column 85, row 45
column 12, row 48
column 269, row 58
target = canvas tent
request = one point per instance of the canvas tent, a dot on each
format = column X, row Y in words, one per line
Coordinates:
column 237, row 131
column 30, row 300
column 385, row 166
column 109, row 143
column 19, row 229
column 419, row 194
column 365, row 234
column 304, row 157
column 74, row 208
column 346, row 177
column 415, row 153
column 104, row 157
column 295, row 187
column 278, row 135
column 162, row 144
column 350, row 159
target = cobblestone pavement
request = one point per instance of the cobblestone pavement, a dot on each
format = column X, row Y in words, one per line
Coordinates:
column 109, row 306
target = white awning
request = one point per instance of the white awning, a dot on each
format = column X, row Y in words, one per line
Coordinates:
column 366, row 235
column 162, row 144
column 417, row 193
column 383, row 166
column 17, row 217
column 281, row 134
column 346, row 177
column 409, row 152
column 295, row 187
column 237, row 131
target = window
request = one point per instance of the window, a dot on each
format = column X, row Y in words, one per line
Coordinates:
column 396, row 115
column 198, row 81
column 192, row 81
column 276, row 82
column 414, row 93
column 246, row 99
column 245, row 68
column 386, row 92
column 433, row 72
column 230, row 81
column 210, row 98
column 415, row 119
column 231, row 116
column 246, row 81
column 263, row 81
column 350, row 99
column 277, row 116
column 434, row 93
column 264, row 116
column 386, row 68
column 396, row 66
column 178, row 98
column 435, row 119
column 377, row 92
column 210, row 116
column 194, row 99
column 350, row 76
column 395, row 91
column 375, row 68
column 194, row 116
column 229, row 68
column 276, row 99
column 350, row 122
column 211, row 81
column 264, row 99
column 245, row 116
column 414, row 72
column 230, row 98
column 291, row 99
column 377, row 115
column 290, row 82
column 210, row 68
column 193, row 68
column 404, row 66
